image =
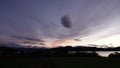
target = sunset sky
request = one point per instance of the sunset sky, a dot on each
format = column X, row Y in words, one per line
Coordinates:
column 38, row 22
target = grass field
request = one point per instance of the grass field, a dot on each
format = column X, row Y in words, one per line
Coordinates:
column 60, row 62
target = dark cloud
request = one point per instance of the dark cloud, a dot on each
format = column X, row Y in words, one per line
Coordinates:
column 27, row 42
column 66, row 21
column 11, row 44
column 26, row 38
column 77, row 39
column 42, row 44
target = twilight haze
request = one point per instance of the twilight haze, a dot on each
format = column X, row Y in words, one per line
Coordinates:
column 38, row 22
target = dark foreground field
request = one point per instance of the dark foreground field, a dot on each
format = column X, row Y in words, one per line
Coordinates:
column 60, row 62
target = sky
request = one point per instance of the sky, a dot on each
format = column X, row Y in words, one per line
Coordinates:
column 39, row 22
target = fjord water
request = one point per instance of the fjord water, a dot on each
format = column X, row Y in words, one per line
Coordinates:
column 106, row 53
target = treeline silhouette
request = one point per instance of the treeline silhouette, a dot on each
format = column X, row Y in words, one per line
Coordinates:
column 114, row 55
column 67, row 51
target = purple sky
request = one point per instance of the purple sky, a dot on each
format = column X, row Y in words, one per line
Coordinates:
column 31, row 20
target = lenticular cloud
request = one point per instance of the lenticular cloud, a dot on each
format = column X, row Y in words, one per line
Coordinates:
column 66, row 21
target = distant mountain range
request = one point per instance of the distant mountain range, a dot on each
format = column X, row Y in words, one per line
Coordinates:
column 76, row 48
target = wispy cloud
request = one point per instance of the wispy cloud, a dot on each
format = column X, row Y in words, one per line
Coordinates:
column 26, row 38
column 34, row 43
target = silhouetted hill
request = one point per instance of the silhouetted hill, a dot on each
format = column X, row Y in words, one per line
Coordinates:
column 79, row 51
